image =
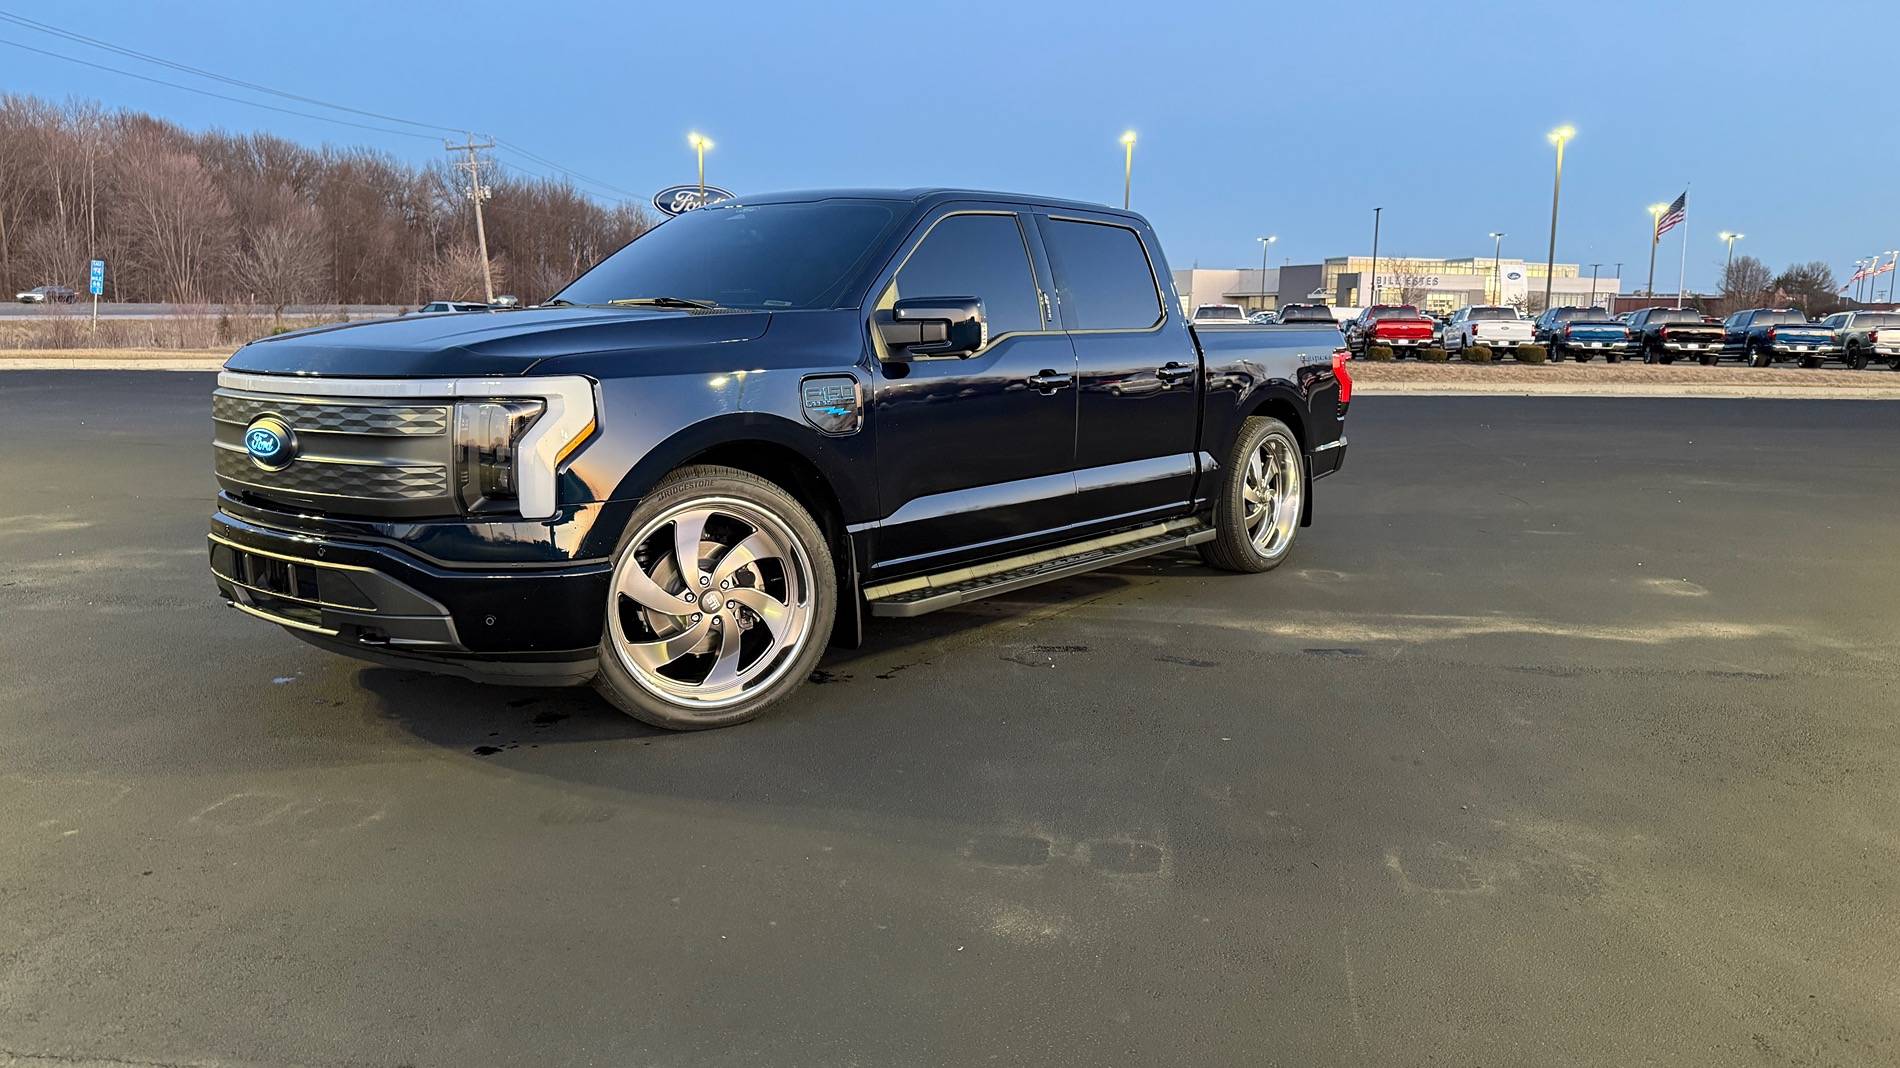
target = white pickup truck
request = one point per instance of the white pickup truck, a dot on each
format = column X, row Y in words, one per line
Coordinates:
column 1220, row 315
column 1493, row 327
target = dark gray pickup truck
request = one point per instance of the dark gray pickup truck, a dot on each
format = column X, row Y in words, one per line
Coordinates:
column 751, row 428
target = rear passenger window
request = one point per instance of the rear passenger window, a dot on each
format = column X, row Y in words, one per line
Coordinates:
column 1103, row 275
column 980, row 256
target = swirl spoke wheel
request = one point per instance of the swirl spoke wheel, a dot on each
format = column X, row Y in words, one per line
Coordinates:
column 722, row 600
column 1262, row 500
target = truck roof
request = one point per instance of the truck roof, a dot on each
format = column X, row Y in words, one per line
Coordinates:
column 929, row 196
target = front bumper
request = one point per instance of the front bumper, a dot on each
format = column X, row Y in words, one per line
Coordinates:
column 538, row 625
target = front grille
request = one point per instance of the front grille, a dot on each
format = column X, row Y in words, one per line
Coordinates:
column 337, row 478
column 327, row 417
column 350, row 456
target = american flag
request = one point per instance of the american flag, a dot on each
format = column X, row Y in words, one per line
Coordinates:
column 1673, row 217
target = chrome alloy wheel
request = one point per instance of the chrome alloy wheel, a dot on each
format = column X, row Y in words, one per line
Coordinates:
column 1272, row 495
column 712, row 602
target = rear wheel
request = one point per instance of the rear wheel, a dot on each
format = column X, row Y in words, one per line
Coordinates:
column 1708, row 359
column 1811, row 362
column 723, row 598
column 1262, row 497
column 1759, row 357
column 1557, row 353
column 1856, row 358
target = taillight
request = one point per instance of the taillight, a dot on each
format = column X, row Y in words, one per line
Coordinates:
column 1474, row 329
column 1771, row 335
column 1873, row 337
column 1340, row 356
column 1663, row 333
column 1566, row 329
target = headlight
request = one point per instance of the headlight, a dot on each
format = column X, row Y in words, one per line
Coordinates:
column 488, row 434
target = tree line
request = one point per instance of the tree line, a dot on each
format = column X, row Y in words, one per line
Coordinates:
column 204, row 218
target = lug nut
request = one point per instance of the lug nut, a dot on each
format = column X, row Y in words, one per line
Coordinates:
column 705, row 580
column 730, row 605
column 695, row 617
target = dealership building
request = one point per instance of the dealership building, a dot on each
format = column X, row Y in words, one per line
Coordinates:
column 1438, row 285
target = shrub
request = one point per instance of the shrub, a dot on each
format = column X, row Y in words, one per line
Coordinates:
column 1531, row 354
column 1379, row 353
column 1433, row 354
column 1476, row 353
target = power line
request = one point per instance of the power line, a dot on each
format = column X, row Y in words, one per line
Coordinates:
column 186, row 68
column 256, row 87
column 209, row 93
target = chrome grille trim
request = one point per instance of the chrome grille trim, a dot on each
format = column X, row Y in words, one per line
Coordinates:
column 331, row 417
column 327, row 477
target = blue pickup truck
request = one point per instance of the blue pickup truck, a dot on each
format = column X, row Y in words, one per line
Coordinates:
column 1763, row 335
column 733, row 440
column 1583, row 333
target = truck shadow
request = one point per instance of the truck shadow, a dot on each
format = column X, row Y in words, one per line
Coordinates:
column 858, row 707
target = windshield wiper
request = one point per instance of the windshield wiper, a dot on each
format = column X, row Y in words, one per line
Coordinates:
column 665, row 302
column 557, row 302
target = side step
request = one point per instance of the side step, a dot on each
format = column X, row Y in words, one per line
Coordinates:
column 928, row 593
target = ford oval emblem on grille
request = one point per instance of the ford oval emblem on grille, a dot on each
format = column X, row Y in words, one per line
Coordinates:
column 270, row 442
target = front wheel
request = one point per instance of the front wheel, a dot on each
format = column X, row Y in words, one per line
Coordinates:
column 1262, row 497
column 723, row 598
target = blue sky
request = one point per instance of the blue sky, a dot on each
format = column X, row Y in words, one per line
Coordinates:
column 1252, row 118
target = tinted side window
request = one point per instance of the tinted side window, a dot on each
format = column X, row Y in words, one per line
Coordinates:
column 980, row 256
column 1103, row 274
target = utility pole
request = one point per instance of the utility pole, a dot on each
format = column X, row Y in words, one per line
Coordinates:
column 477, row 192
column 1370, row 296
column 1593, row 284
column 1497, row 265
column 1559, row 137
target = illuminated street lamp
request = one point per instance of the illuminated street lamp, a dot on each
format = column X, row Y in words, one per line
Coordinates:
column 1655, row 220
column 701, row 144
column 1730, row 262
column 1265, row 244
column 1497, row 264
column 1560, row 137
column 1128, row 166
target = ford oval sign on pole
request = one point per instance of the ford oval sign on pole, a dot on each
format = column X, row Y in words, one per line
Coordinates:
column 680, row 199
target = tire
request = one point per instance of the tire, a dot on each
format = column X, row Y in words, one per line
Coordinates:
column 1650, row 355
column 673, row 664
column 1279, row 492
column 1667, row 358
column 1758, row 358
column 1558, row 352
column 1812, row 362
column 1612, row 357
column 1856, row 358
column 1709, row 358
column 1584, row 355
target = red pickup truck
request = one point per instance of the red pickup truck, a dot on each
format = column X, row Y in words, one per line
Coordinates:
column 1397, row 325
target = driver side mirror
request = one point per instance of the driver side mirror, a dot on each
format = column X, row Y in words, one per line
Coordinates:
column 933, row 326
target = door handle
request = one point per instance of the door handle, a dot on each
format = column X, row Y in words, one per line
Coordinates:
column 1174, row 373
column 1048, row 382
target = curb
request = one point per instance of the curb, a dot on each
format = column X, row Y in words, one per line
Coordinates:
column 187, row 363
column 1627, row 389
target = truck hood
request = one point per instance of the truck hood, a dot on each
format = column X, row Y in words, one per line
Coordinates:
column 487, row 343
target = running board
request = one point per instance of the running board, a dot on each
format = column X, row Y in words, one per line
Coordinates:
column 928, row 593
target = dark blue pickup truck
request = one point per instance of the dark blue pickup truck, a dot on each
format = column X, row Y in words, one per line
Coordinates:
column 1763, row 335
column 749, row 429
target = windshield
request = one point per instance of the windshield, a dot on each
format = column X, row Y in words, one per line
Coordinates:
column 1218, row 311
column 745, row 256
column 1781, row 318
column 1492, row 313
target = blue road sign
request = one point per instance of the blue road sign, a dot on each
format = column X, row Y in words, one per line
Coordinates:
column 98, row 277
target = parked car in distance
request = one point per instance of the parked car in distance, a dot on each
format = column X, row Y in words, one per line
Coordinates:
column 1664, row 335
column 749, row 430
column 1219, row 315
column 1344, row 314
column 1260, row 318
column 1493, row 325
column 1866, row 336
column 1763, row 335
column 440, row 307
column 46, row 295
column 1401, row 327
column 1583, row 333
column 1305, row 313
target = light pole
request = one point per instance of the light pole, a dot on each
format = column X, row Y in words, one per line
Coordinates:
column 700, row 143
column 1893, row 272
column 1265, row 243
column 1497, row 265
column 1729, row 263
column 1593, row 284
column 1560, row 137
column 1128, row 166
column 1370, row 296
column 1655, row 220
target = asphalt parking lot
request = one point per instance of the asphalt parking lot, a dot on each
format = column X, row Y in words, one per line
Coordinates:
column 1567, row 736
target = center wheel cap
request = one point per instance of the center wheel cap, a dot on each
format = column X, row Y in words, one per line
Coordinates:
column 709, row 601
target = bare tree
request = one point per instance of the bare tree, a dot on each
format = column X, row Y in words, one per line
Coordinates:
column 284, row 260
column 1744, row 281
column 1810, row 286
column 1409, row 278
column 457, row 274
column 177, row 223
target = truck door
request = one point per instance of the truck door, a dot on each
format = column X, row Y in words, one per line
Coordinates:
column 975, row 454
column 1139, row 370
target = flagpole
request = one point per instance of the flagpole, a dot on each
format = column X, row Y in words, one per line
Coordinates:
column 1682, row 269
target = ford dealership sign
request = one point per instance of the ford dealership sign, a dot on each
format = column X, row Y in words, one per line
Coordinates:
column 680, row 199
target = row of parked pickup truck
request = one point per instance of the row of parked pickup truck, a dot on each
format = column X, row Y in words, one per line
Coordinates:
column 1761, row 336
